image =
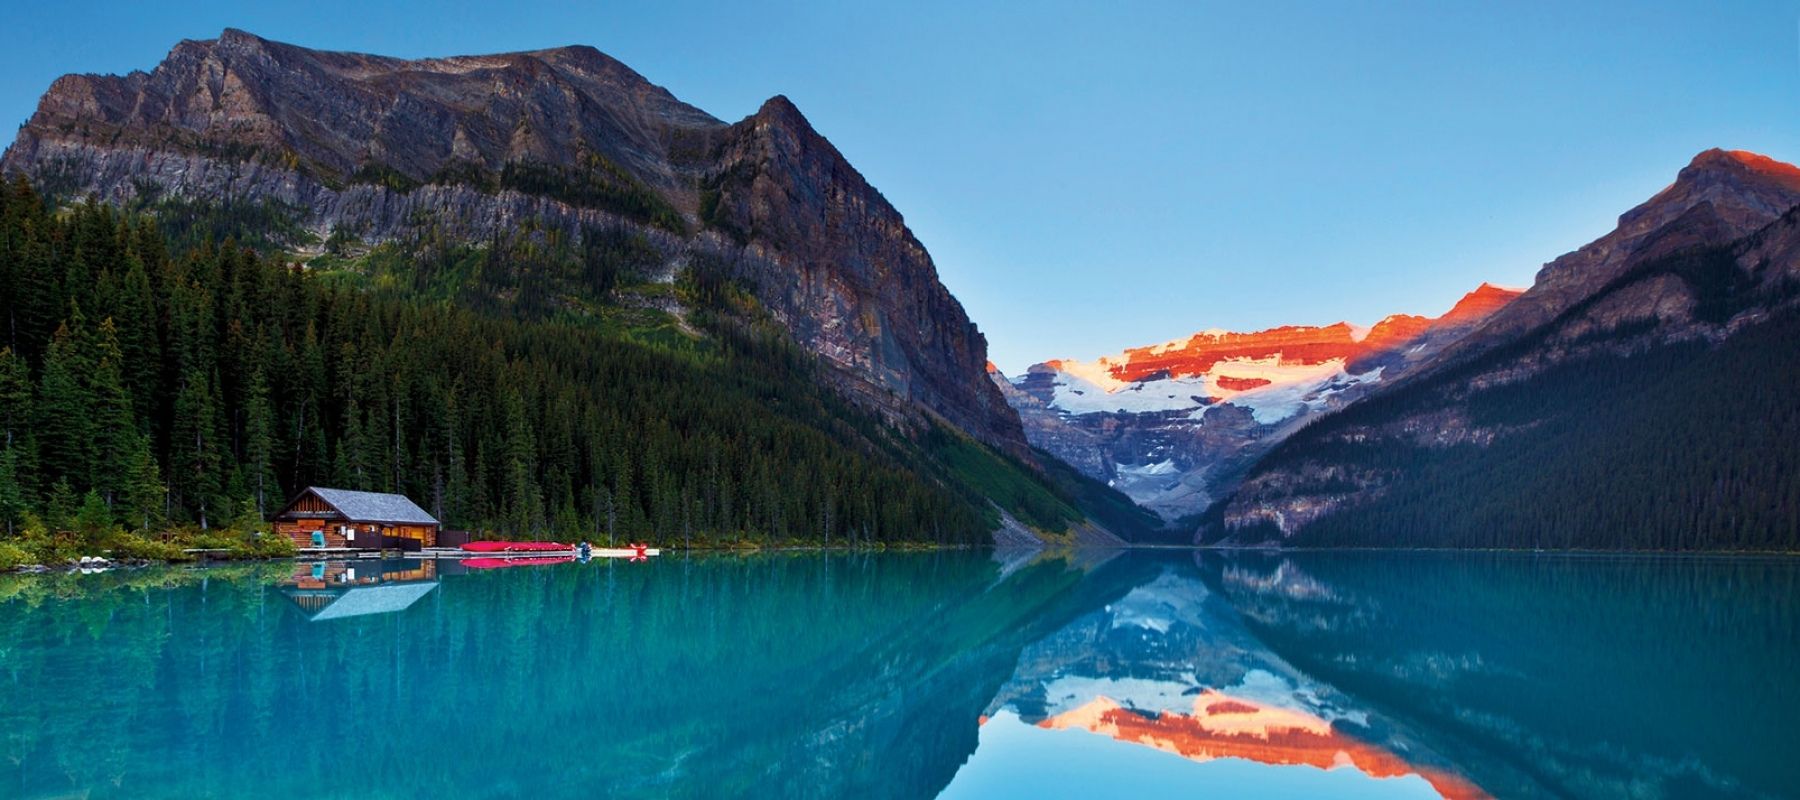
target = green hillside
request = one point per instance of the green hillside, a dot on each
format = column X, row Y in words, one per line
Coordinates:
column 526, row 387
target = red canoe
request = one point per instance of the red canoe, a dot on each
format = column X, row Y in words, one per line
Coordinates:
column 514, row 547
column 496, row 563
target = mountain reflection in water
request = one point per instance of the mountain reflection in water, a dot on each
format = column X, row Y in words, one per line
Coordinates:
column 1170, row 666
column 961, row 674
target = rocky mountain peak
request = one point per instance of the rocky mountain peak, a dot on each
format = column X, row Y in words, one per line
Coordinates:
column 334, row 114
column 1741, row 185
column 1720, row 196
column 469, row 147
column 1485, row 300
column 780, row 109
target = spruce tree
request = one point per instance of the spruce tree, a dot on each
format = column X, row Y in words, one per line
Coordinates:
column 259, row 445
column 195, row 449
column 65, row 406
column 115, row 428
column 143, row 502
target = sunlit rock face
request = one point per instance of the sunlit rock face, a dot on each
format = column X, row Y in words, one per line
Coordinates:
column 1170, row 666
column 394, row 150
column 1174, row 425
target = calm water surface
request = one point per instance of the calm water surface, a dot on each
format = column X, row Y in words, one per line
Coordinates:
column 1075, row 674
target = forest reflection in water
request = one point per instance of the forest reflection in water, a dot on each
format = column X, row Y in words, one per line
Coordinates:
column 966, row 673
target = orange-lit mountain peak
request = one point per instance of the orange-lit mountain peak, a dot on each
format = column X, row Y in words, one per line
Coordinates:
column 1485, row 300
column 1756, row 164
column 1226, row 726
column 992, row 367
column 1291, row 344
column 1394, row 332
column 1764, row 165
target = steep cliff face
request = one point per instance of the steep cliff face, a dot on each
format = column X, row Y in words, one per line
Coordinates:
column 1174, row 425
column 568, row 139
column 838, row 265
column 1550, row 383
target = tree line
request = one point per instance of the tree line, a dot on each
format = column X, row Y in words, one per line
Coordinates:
column 154, row 389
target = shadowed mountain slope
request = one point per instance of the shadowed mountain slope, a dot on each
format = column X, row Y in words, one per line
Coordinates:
column 1639, row 395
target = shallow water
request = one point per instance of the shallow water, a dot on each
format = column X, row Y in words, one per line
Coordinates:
column 960, row 674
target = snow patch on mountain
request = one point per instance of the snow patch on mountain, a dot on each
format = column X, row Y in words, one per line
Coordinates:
column 1299, row 390
column 1077, row 393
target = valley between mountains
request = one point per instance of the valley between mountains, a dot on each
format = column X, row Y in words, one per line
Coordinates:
column 549, row 299
column 1641, row 394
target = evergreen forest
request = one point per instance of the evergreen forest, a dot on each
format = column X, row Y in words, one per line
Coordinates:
column 1680, row 447
column 150, row 387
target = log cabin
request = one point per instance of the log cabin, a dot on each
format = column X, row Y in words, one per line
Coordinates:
column 340, row 518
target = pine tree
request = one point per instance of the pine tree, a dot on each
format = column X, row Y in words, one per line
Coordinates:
column 129, row 300
column 144, row 490
column 259, row 445
column 65, row 406
column 59, row 509
column 93, row 520
column 524, row 506
column 15, row 399
column 115, row 428
column 195, row 448
column 13, row 498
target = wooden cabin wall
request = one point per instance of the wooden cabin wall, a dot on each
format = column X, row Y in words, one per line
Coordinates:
column 300, row 532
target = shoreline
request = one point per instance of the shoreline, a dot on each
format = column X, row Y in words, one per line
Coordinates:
column 96, row 564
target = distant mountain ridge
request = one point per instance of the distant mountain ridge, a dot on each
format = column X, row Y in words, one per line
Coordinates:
column 373, row 149
column 1639, row 395
column 1172, row 425
column 1719, row 196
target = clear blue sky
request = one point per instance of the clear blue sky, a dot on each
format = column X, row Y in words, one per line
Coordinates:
column 1093, row 176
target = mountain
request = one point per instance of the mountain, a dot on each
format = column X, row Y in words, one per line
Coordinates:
column 533, row 291
column 1639, row 395
column 356, row 151
column 1174, row 425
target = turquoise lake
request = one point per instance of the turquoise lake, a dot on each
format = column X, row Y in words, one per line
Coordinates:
column 1087, row 674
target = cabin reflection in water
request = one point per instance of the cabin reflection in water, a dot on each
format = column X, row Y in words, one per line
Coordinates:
column 324, row 590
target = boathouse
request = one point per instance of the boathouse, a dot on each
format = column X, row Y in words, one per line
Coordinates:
column 357, row 520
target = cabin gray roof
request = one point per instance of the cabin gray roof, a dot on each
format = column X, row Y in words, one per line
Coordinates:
column 374, row 506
